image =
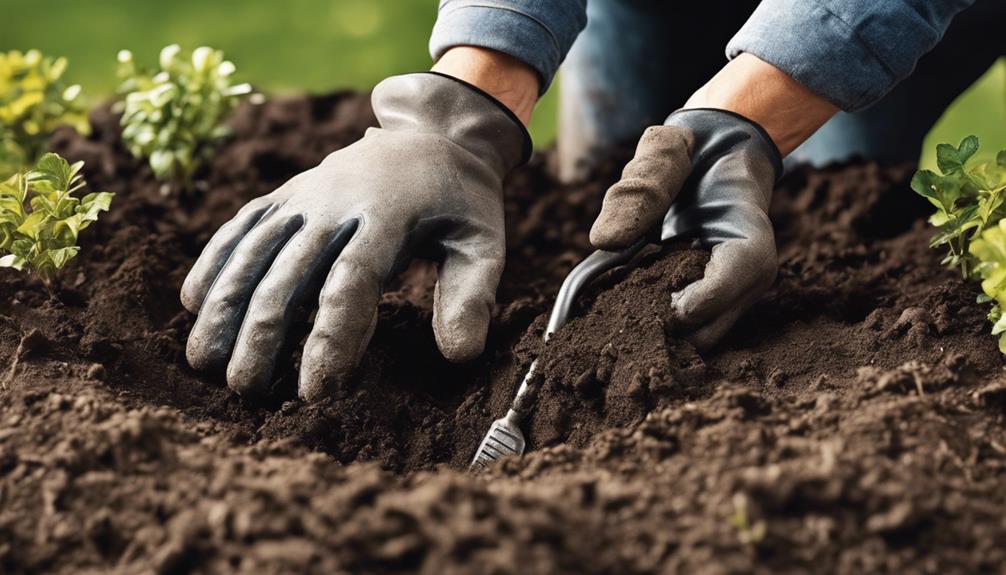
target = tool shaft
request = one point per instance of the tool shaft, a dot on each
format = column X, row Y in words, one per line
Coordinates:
column 592, row 266
column 505, row 437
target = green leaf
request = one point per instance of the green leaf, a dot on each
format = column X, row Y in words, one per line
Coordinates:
column 68, row 228
column 15, row 187
column 999, row 326
column 990, row 249
column 32, row 225
column 61, row 256
column 54, row 170
column 22, row 247
column 942, row 191
column 946, row 159
column 987, row 205
column 11, row 261
column 951, row 159
column 161, row 162
column 968, row 148
column 939, row 218
column 94, row 203
column 12, row 208
column 924, row 183
column 44, row 201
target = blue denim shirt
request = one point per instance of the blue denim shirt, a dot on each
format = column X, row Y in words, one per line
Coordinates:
column 851, row 52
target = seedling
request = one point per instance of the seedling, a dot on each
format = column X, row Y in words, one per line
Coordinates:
column 749, row 532
column 175, row 117
column 969, row 199
column 40, row 217
column 34, row 100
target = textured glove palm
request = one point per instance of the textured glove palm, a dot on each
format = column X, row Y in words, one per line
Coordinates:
column 429, row 180
column 706, row 175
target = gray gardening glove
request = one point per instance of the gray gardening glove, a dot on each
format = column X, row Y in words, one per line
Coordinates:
column 427, row 182
column 707, row 175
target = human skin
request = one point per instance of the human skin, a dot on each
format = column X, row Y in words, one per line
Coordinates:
column 759, row 91
column 512, row 82
column 746, row 85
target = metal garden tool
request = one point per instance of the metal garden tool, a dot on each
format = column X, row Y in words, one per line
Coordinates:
column 505, row 436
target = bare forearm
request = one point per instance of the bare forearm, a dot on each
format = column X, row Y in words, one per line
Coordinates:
column 507, row 79
column 788, row 111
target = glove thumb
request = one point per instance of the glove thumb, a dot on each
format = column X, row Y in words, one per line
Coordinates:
column 649, row 183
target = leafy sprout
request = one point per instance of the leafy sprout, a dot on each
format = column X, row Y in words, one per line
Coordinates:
column 990, row 250
column 174, row 117
column 34, row 100
column 40, row 217
column 969, row 197
column 750, row 532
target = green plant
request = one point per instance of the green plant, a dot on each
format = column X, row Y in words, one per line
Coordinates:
column 40, row 217
column 34, row 100
column 174, row 117
column 750, row 532
column 990, row 250
column 969, row 197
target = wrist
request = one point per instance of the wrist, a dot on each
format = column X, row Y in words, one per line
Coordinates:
column 787, row 111
column 510, row 81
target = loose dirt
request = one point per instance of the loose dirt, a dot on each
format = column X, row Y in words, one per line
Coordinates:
column 852, row 422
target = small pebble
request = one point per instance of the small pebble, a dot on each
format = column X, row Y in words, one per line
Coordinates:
column 96, row 372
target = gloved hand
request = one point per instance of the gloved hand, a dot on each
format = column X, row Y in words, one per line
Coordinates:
column 706, row 174
column 427, row 182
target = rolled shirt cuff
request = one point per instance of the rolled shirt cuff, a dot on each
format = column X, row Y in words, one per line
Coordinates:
column 850, row 52
column 535, row 32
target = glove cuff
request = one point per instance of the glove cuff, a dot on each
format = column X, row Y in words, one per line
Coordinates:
column 721, row 130
column 465, row 114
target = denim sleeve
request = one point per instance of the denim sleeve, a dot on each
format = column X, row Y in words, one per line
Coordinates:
column 537, row 32
column 851, row 52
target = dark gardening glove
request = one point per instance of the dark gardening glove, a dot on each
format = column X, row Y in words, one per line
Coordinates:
column 707, row 175
column 427, row 182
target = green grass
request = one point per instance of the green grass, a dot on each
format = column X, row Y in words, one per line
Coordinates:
column 284, row 46
column 980, row 111
column 281, row 47
column 319, row 45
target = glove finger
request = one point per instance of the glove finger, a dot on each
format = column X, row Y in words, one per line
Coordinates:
column 290, row 278
column 737, row 270
column 214, row 255
column 465, row 294
column 347, row 313
column 649, row 184
column 220, row 315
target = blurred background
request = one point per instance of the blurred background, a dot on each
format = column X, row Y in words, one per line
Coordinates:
column 322, row 45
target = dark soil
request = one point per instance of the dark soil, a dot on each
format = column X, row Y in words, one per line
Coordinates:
column 852, row 422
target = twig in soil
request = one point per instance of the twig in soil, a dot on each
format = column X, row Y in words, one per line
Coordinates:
column 30, row 342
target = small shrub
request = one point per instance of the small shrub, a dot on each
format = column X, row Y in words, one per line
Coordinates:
column 40, row 217
column 174, row 117
column 969, row 199
column 34, row 100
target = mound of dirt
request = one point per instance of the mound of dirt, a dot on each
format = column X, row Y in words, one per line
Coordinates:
column 853, row 421
column 618, row 359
